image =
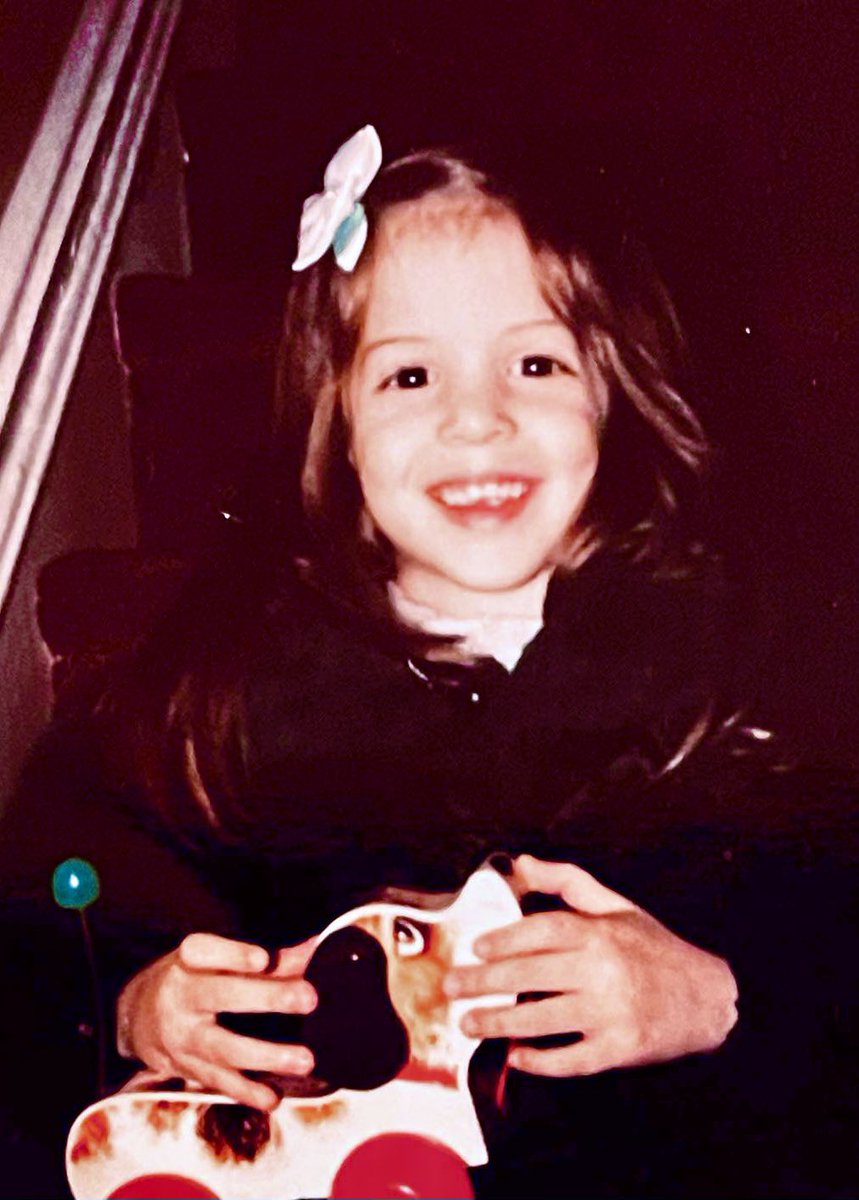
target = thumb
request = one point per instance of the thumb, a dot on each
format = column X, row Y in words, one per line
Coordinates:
column 574, row 885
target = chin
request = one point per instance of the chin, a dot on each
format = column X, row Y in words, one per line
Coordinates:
column 501, row 572
column 493, row 583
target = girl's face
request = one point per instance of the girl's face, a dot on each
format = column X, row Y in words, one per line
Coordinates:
column 473, row 427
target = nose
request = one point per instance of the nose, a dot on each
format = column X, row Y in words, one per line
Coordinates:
column 477, row 411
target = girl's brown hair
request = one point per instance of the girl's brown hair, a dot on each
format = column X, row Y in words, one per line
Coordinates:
column 182, row 700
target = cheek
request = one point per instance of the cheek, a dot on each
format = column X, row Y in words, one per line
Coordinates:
column 578, row 451
column 577, row 461
column 591, row 454
column 362, row 450
column 370, row 463
column 376, row 469
column 382, row 454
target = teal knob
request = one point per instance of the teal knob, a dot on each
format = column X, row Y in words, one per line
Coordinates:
column 75, row 884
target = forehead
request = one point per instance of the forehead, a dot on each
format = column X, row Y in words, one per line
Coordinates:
column 443, row 256
column 458, row 214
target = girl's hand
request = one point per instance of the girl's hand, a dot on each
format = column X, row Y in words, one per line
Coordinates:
column 636, row 992
column 166, row 1015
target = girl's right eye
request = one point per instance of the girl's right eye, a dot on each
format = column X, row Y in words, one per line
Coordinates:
column 407, row 377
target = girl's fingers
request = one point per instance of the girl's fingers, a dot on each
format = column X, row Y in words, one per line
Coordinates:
column 551, row 972
column 292, row 960
column 215, row 1078
column 210, row 952
column 208, row 993
column 584, row 1058
column 534, row 934
column 573, row 884
column 222, row 1048
column 537, row 1018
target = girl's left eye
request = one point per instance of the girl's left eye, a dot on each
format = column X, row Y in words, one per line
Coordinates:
column 537, row 365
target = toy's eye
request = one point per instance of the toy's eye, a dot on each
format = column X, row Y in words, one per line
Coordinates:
column 411, row 937
column 408, row 377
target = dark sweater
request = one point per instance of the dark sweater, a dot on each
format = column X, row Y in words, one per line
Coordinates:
column 369, row 769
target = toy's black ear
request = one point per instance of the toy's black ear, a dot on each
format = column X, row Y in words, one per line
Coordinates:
column 355, row 1033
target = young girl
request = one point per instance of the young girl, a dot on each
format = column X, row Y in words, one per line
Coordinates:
column 464, row 620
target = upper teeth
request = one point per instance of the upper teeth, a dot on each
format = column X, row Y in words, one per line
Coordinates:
column 474, row 493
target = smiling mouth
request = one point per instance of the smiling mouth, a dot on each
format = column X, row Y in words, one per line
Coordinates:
column 491, row 495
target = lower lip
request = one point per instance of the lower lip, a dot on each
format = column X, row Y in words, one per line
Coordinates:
column 483, row 513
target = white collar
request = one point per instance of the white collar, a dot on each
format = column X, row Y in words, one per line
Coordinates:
column 503, row 638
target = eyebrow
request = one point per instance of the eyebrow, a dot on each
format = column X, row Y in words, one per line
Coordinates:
column 540, row 323
column 394, row 340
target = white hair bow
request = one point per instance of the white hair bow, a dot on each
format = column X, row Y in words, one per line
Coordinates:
column 335, row 217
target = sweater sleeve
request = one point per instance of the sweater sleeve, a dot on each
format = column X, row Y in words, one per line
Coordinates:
column 151, row 895
column 766, row 860
column 751, row 856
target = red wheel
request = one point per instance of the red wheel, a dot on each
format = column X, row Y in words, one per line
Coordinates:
column 396, row 1165
column 162, row 1187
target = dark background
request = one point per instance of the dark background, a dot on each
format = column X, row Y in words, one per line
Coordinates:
column 725, row 133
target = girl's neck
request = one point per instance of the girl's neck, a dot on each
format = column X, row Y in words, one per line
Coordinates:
column 446, row 598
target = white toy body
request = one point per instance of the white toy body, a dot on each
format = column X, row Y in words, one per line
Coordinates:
column 300, row 1148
